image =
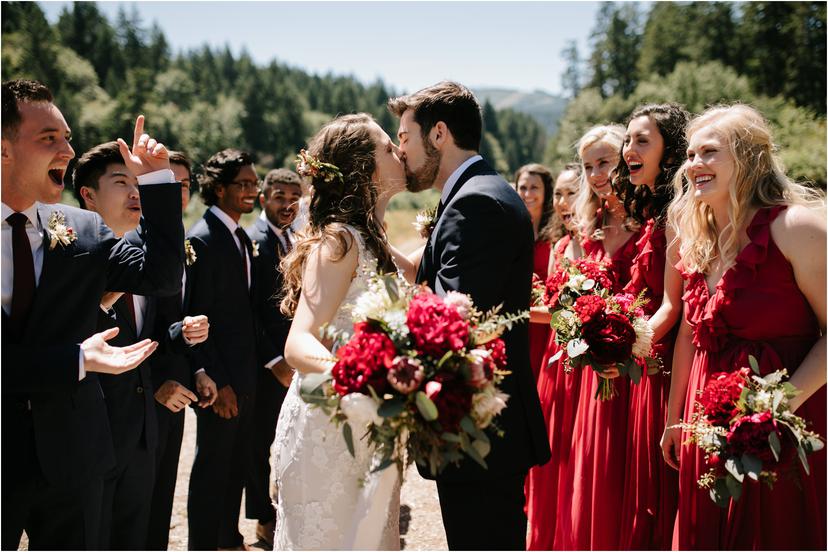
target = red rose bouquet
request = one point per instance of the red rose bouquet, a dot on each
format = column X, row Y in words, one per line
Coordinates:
column 596, row 328
column 419, row 377
column 744, row 425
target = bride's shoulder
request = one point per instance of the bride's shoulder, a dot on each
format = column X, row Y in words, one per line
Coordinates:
column 338, row 242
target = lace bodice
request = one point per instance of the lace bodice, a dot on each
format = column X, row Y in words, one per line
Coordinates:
column 366, row 266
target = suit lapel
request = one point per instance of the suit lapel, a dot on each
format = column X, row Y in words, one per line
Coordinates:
column 220, row 230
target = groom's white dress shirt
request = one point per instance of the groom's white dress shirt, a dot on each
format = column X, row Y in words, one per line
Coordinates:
column 455, row 176
column 232, row 225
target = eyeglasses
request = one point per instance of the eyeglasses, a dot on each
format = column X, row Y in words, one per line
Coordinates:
column 247, row 184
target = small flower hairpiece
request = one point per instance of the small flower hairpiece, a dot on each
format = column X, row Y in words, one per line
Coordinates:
column 308, row 165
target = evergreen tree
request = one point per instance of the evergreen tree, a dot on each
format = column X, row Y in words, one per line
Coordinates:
column 572, row 76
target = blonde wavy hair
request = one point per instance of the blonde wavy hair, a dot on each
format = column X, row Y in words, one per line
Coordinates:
column 587, row 201
column 759, row 181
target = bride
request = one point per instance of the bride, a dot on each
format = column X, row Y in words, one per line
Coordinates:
column 326, row 499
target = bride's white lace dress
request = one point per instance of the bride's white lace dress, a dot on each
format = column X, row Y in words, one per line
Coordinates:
column 324, row 500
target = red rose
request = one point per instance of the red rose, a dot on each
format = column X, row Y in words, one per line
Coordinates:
column 589, row 307
column 720, row 394
column 749, row 435
column 363, row 361
column 452, row 397
column 435, row 327
column 610, row 338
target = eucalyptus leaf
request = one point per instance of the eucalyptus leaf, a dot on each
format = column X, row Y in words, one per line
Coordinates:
column 392, row 288
column 634, row 370
column 775, row 445
column 734, row 486
column 803, row 458
column 475, row 455
column 754, row 364
column 312, row 383
column 391, row 408
column 348, row 435
column 450, row 437
column 482, row 447
column 426, row 407
column 752, row 466
column 734, row 468
column 719, row 493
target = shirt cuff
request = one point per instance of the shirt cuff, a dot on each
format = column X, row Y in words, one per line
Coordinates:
column 274, row 362
column 200, row 370
column 81, row 370
column 161, row 176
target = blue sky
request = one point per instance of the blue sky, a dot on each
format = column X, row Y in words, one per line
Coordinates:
column 407, row 44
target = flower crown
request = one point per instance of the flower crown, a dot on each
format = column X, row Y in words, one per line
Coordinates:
column 308, row 165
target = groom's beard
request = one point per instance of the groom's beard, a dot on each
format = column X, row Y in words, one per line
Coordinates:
column 424, row 177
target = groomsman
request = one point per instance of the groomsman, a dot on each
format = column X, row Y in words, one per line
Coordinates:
column 272, row 232
column 178, row 378
column 221, row 282
column 57, row 263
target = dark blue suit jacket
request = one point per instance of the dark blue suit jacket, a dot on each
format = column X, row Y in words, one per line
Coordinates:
column 52, row 423
column 218, row 288
column 482, row 245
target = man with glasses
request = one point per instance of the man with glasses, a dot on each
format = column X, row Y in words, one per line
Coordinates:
column 222, row 275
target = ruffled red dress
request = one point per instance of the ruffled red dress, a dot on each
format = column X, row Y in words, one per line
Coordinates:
column 594, row 482
column 651, row 487
column 756, row 309
column 539, row 333
column 558, row 392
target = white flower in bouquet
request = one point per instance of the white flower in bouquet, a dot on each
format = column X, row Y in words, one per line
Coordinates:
column 396, row 320
column 576, row 281
column 487, row 404
column 643, row 338
column 460, row 301
column 360, row 409
column 372, row 304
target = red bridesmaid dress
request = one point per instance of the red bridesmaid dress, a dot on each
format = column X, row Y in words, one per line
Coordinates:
column 594, row 482
column 651, row 487
column 756, row 309
column 539, row 333
column 558, row 392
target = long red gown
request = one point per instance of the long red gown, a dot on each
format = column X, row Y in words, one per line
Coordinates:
column 539, row 333
column 594, row 481
column 756, row 309
column 651, row 487
column 557, row 391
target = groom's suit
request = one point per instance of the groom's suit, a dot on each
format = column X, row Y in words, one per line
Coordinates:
column 56, row 438
column 482, row 245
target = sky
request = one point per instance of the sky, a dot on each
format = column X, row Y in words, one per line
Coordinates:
column 408, row 45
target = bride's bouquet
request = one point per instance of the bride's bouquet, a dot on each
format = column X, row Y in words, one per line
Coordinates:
column 744, row 424
column 598, row 329
column 419, row 376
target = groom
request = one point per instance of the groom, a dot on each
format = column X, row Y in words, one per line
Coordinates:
column 482, row 245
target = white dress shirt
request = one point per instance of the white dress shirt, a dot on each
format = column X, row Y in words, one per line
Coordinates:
column 455, row 176
column 232, row 225
column 34, row 230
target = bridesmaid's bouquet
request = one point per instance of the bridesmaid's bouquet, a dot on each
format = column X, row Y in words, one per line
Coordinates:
column 744, row 424
column 418, row 378
column 598, row 329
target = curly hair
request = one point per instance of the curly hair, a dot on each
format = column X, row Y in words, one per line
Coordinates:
column 759, row 181
column 640, row 203
column 347, row 143
column 220, row 170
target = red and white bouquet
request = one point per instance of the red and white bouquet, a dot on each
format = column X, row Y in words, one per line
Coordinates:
column 744, row 424
column 598, row 329
column 419, row 377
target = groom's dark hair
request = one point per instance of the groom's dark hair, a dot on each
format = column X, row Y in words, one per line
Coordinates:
column 446, row 101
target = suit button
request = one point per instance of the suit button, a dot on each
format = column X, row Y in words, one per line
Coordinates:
column 139, row 389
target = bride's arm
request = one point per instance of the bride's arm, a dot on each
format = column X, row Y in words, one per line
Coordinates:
column 325, row 283
column 407, row 263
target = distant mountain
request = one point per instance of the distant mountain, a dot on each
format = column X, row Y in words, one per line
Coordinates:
column 545, row 108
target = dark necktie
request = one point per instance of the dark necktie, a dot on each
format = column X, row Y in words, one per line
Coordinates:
column 243, row 252
column 130, row 305
column 23, row 287
column 287, row 243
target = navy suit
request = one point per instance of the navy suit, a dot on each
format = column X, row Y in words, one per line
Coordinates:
column 56, row 438
column 482, row 245
column 219, row 289
column 273, row 330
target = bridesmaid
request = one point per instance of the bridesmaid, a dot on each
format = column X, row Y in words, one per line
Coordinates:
column 654, row 149
column 753, row 254
column 534, row 184
column 593, row 487
column 555, row 389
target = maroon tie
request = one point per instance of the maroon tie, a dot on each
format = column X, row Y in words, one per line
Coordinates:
column 24, row 275
column 287, row 246
column 130, row 304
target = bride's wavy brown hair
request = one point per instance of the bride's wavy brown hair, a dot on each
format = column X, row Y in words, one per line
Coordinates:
column 347, row 143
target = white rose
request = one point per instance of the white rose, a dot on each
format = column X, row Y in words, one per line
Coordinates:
column 460, row 301
column 643, row 338
column 360, row 409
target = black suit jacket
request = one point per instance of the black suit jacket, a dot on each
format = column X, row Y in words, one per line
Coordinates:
column 53, row 423
column 218, row 289
column 273, row 325
column 482, row 245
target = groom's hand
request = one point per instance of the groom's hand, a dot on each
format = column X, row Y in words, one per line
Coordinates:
column 226, row 405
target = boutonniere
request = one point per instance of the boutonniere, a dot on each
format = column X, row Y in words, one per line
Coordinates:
column 189, row 253
column 255, row 249
column 59, row 233
column 424, row 223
